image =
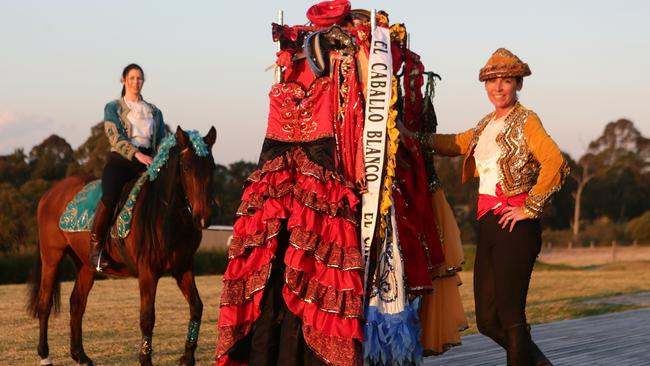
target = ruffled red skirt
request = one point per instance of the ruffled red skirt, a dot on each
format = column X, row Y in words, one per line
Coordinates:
column 322, row 281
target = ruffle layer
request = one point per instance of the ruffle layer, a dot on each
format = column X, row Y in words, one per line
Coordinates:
column 332, row 254
column 237, row 291
column 325, row 197
column 333, row 350
column 227, row 337
column 297, row 159
column 323, row 284
column 346, row 303
column 257, row 235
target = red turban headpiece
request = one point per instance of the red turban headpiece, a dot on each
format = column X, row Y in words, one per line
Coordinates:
column 327, row 13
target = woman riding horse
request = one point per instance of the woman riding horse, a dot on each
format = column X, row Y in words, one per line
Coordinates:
column 134, row 129
column 173, row 193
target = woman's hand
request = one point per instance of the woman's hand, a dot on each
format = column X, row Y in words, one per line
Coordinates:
column 512, row 214
column 143, row 158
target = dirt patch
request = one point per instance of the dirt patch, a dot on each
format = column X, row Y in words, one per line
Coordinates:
column 580, row 257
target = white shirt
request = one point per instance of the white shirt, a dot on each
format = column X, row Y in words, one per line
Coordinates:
column 486, row 155
column 141, row 118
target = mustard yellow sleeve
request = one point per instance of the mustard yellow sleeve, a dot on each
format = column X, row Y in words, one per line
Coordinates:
column 451, row 144
column 553, row 168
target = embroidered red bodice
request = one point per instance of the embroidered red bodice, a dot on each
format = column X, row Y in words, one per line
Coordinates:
column 297, row 114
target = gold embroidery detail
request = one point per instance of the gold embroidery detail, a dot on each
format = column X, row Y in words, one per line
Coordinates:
column 518, row 169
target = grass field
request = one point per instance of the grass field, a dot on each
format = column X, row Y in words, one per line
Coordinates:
column 112, row 335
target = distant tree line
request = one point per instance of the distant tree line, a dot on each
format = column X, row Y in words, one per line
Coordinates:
column 25, row 177
column 607, row 194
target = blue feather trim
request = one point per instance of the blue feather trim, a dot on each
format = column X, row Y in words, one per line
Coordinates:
column 393, row 339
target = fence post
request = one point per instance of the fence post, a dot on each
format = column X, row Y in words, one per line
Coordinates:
column 592, row 245
column 613, row 250
column 634, row 243
column 570, row 245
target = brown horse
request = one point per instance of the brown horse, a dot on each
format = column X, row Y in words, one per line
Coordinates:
column 167, row 220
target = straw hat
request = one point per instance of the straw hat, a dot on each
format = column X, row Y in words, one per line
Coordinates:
column 503, row 64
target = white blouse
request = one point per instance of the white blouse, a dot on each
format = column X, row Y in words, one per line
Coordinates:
column 486, row 155
column 141, row 118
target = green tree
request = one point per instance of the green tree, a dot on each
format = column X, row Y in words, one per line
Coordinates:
column 49, row 160
column 639, row 228
column 13, row 229
column 90, row 157
column 14, row 168
column 558, row 212
column 610, row 176
column 31, row 192
column 620, row 193
column 463, row 198
column 228, row 187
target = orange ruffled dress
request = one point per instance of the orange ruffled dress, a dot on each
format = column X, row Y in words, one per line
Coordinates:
column 441, row 312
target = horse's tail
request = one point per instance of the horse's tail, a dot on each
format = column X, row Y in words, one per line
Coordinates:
column 34, row 287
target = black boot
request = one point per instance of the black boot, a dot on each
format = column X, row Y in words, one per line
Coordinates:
column 519, row 343
column 98, row 257
column 537, row 356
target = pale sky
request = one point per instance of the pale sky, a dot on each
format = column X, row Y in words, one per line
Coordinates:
column 60, row 62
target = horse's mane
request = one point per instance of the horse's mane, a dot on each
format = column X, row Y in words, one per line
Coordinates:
column 157, row 206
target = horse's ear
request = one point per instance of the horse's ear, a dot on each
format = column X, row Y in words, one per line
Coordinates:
column 181, row 137
column 211, row 137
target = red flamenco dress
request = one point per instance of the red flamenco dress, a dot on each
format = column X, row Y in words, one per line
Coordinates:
column 293, row 287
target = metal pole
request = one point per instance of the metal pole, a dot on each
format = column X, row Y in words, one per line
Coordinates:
column 373, row 19
column 278, row 69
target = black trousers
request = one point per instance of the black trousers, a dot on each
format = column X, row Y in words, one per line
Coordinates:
column 117, row 172
column 502, row 270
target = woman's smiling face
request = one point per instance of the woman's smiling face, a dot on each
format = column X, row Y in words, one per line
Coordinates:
column 502, row 92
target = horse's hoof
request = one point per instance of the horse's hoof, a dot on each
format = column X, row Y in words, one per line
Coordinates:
column 185, row 362
column 46, row 362
column 82, row 359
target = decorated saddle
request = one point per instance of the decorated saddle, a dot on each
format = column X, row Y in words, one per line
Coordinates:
column 79, row 214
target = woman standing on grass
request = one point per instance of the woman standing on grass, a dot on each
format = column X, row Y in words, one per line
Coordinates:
column 519, row 167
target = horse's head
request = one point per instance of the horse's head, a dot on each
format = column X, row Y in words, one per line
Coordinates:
column 196, row 175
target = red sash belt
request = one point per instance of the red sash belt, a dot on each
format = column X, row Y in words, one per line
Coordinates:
column 499, row 202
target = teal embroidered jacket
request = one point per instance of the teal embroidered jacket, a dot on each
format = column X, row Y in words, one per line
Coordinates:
column 118, row 128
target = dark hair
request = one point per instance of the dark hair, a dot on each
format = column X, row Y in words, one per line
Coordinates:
column 125, row 72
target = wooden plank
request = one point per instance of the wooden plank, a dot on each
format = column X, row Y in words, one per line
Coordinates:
column 612, row 339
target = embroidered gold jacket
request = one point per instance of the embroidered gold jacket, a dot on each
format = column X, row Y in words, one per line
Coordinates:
column 118, row 128
column 530, row 160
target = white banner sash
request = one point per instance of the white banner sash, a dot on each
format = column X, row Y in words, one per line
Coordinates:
column 378, row 95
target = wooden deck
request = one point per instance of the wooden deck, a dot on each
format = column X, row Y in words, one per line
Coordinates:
column 618, row 339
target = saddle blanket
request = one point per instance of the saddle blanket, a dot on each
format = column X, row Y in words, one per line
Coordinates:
column 79, row 213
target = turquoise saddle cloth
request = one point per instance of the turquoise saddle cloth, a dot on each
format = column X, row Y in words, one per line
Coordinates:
column 79, row 213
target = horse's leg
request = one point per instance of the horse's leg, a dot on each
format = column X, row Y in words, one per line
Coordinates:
column 78, row 299
column 148, row 283
column 185, row 281
column 49, row 265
